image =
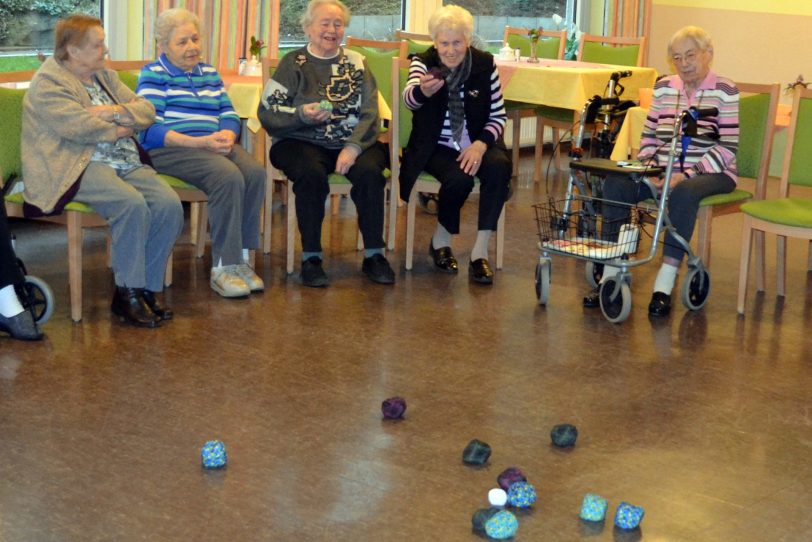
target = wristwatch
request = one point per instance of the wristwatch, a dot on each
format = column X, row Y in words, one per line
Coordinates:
column 116, row 116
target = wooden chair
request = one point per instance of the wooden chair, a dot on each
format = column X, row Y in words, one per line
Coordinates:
column 401, row 129
column 609, row 50
column 339, row 185
column 415, row 43
column 785, row 216
column 757, row 110
column 551, row 45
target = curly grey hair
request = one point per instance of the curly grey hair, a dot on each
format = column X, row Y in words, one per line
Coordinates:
column 169, row 20
column 453, row 18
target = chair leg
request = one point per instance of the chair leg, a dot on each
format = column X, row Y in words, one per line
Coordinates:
column 809, row 257
column 290, row 234
column 705, row 217
column 557, row 147
column 538, row 151
column 335, row 202
column 267, row 217
column 168, row 271
column 202, row 223
column 516, row 119
column 194, row 220
column 500, row 239
column 760, row 263
column 781, row 267
column 393, row 215
column 75, row 235
column 744, row 263
column 410, row 218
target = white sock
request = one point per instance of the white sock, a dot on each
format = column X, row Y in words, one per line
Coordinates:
column 666, row 277
column 246, row 255
column 441, row 237
column 480, row 249
column 9, row 304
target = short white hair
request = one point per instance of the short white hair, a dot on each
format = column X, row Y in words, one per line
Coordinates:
column 698, row 35
column 313, row 5
column 451, row 18
column 169, row 20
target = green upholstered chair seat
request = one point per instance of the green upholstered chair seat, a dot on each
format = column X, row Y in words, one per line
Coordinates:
column 71, row 206
column 174, row 182
column 555, row 113
column 795, row 212
column 604, row 54
column 724, row 199
column 429, row 178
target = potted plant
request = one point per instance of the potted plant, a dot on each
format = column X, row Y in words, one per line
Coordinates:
column 534, row 34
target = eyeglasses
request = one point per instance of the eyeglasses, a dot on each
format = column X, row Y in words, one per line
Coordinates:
column 689, row 58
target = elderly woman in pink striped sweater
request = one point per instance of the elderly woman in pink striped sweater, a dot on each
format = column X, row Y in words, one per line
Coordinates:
column 706, row 166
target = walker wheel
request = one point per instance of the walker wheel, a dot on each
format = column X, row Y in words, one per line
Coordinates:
column 37, row 297
column 543, row 280
column 593, row 273
column 616, row 300
column 696, row 288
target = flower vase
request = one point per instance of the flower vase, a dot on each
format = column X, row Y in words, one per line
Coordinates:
column 253, row 66
column 533, row 58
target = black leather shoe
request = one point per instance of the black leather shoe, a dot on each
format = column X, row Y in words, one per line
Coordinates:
column 592, row 299
column 129, row 305
column 21, row 326
column 480, row 271
column 443, row 258
column 378, row 269
column 162, row 312
column 660, row 304
column 312, row 273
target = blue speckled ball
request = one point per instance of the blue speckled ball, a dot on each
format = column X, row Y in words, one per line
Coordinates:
column 521, row 495
column 502, row 525
column 593, row 507
column 214, row 455
column 628, row 516
column 564, row 435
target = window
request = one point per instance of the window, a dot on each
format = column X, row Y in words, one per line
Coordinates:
column 371, row 19
column 27, row 27
column 491, row 16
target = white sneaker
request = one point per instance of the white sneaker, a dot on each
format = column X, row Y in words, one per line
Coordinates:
column 226, row 281
column 248, row 275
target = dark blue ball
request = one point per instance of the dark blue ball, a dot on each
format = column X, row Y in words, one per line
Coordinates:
column 564, row 435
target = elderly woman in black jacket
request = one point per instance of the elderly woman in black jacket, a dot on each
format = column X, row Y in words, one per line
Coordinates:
column 459, row 116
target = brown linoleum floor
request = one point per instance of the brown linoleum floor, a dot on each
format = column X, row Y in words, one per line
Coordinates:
column 704, row 419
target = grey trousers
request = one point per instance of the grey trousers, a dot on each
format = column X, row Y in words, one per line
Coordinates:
column 235, row 186
column 145, row 218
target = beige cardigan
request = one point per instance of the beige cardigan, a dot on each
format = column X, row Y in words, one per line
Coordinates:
column 59, row 135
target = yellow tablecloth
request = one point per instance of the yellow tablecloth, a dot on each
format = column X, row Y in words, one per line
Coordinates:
column 566, row 83
column 628, row 139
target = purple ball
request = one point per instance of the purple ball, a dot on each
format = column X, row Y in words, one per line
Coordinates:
column 393, row 408
column 510, row 476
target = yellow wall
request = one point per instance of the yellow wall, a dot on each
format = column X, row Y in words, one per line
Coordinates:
column 757, row 41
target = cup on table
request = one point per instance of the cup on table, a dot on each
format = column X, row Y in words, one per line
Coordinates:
column 644, row 95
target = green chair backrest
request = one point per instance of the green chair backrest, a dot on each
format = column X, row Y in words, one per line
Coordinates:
column 624, row 55
column 129, row 78
column 417, row 46
column 546, row 48
column 405, row 123
column 11, row 119
column 379, row 62
column 800, row 169
column 754, row 111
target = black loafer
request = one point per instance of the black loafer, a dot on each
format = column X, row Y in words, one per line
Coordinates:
column 443, row 258
column 162, row 312
column 660, row 304
column 21, row 327
column 312, row 273
column 378, row 269
column 480, row 271
column 129, row 305
column 592, row 299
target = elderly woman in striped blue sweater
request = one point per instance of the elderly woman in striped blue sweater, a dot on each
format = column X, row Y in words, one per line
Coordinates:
column 194, row 138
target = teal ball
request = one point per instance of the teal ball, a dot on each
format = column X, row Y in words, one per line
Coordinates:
column 502, row 525
column 628, row 516
column 521, row 495
column 564, row 435
column 213, row 454
column 593, row 508
column 476, row 453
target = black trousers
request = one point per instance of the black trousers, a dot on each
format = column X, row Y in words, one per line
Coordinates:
column 456, row 185
column 9, row 270
column 307, row 166
column 683, row 204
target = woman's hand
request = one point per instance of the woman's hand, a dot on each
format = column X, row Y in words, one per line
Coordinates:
column 429, row 85
column 346, row 159
column 471, row 158
column 676, row 178
column 218, row 142
column 314, row 113
column 102, row 112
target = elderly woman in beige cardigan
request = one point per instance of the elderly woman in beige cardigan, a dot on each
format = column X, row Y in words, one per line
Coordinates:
column 77, row 145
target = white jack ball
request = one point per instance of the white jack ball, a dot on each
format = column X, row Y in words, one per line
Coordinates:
column 497, row 497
